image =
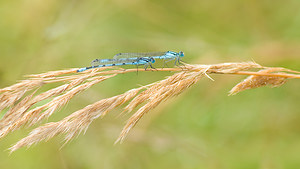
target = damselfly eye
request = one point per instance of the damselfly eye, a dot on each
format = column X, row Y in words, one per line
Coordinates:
column 152, row 60
column 181, row 54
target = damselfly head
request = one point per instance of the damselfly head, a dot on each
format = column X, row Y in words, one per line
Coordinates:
column 181, row 54
column 152, row 60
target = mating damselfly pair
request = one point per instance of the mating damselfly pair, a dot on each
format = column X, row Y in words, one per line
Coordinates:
column 146, row 59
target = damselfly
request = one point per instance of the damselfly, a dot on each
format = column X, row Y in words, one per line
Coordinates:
column 135, row 59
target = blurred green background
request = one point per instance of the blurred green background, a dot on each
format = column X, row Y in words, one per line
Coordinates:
column 201, row 128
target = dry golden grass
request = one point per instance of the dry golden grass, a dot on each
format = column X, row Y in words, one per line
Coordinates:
column 20, row 98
